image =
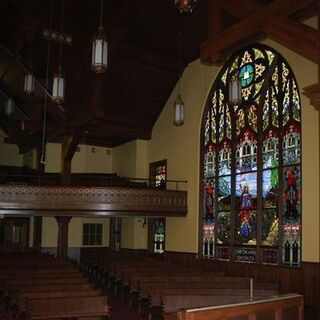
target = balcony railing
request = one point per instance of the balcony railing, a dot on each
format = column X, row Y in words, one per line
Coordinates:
column 44, row 195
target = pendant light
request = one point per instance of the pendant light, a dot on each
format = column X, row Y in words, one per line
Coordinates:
column 178, row 112
column 100, row 48
column 9, row 107
column 29, row 83
column 185, row 5
column 234, row 90
column 58, row 78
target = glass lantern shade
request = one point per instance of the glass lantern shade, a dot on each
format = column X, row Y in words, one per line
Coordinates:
column 99, row 53
column 234, row 91
column 178, row 112
column 58, row 88
column 9, row 107
column 29, row 83
column 185, row 5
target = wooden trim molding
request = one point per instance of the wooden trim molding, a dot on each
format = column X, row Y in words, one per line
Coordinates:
column 88, row 201
column 313, row 93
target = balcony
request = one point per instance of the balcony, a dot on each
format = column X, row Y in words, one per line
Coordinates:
column 95, row 196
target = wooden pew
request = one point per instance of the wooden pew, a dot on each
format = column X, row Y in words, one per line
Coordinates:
column 65, row 308
column 49, row 288
column 285, row 307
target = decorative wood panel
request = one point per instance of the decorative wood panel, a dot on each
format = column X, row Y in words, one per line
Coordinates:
column 71, row 201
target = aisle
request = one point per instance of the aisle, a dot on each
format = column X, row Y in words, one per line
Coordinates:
column 121, row 311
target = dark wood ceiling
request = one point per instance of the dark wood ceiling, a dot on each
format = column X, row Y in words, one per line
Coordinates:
column 144, row 55
column 109, row 109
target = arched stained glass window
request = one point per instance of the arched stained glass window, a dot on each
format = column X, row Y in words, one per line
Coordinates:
column 251, row 190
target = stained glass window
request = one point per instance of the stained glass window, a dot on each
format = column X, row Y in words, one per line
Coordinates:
column 251, row 173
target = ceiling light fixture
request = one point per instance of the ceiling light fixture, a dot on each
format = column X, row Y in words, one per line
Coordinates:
column 9, row 107
column 178, row 111
column 100, row 48
column 235, row 97
column 29, row 81
column 185, row 5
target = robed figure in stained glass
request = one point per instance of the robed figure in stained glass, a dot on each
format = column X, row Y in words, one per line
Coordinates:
column 291, row 195
column 245, row 207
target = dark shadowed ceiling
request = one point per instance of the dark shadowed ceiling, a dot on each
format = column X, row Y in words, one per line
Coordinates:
column 144, row 54
column 108, row 109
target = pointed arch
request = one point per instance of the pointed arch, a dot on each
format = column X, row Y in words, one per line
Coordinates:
column 251, row 171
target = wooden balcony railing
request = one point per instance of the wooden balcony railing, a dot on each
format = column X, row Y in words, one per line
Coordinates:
column 91, row 201
column 286, row 307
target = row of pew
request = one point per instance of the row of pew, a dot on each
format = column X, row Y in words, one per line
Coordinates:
column 158, row 288
column 40, row 286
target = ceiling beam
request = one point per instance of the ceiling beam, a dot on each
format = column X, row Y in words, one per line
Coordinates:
column 215, row 50
column 288, row 32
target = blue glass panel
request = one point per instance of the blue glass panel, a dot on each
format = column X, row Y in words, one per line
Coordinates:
column 224, row 193
column 246, row 227
column 246, row 191
column 246, row 75
column 270, row 183
column 223, row 226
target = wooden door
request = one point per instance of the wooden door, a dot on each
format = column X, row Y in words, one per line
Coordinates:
column 16, row 234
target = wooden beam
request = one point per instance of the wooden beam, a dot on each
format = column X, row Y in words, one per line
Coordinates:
column 242, row 33
column 69, row 147
column 297, row 37
column 288, row 32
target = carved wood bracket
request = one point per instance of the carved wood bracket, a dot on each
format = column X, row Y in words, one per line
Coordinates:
column 313, row 93
column 78, row 201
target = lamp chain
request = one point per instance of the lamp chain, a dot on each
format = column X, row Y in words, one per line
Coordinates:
column 42, row 159
column 61, row 30
column 101, row 13
column 180, row 53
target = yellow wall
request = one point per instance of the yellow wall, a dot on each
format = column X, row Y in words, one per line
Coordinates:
column 50, row 231
column 90, row 159
column 180, row 146
column 30, row 159
column 9, row 153
column 124, row 159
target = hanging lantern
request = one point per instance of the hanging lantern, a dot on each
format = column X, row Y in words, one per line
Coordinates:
column 9, row 107
column 178, row 111
column 234, row 91
column 185, row 5
column 99, row 52
column 58, row 88
column 29, row 83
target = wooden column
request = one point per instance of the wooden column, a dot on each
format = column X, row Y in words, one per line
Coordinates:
column 313, row 93
column 37, row 233
column 63, row 225
column 115, row 234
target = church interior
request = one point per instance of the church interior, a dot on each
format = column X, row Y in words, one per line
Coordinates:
column 160, row 159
